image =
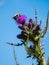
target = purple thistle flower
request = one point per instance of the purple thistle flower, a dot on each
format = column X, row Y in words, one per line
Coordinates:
column 21, row 19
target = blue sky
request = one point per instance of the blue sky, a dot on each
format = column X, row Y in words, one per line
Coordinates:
column 9, row 29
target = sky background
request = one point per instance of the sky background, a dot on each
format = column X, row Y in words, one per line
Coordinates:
column 9, row 29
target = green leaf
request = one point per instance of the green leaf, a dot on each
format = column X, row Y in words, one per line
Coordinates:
column 46, row 28
column 15, row 58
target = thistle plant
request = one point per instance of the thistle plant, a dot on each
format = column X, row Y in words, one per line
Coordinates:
column 32, row 32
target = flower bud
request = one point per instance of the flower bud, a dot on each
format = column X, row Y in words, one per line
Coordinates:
column 21, row 27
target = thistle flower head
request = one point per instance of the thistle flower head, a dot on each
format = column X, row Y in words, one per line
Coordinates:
column 20, row 19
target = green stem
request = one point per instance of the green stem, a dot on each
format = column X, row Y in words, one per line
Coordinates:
column 39, row 54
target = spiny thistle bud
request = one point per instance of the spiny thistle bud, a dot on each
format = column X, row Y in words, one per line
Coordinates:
column 30, row 20
column 30, row 24
column 21, row 27
column 38, row 27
